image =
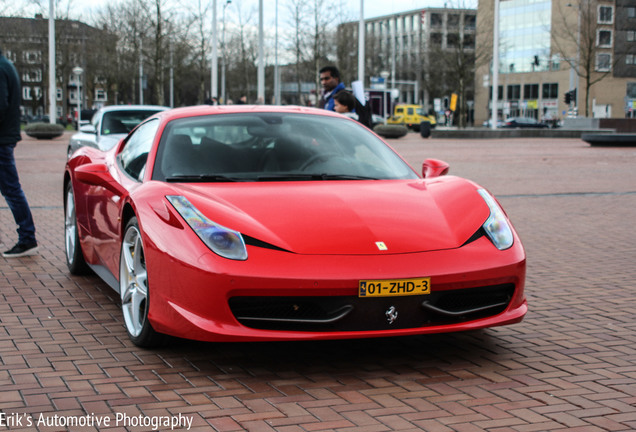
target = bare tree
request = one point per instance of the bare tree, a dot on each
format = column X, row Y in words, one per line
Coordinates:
column 130, row 23
column 297, row 22
column 200, row 42
column 450, row 67
column 142, row 27
column 574, row 39
column 159, row 50
column 346, row 46
column 322, row 35
column 164, row 23
column 311, row 38
column 241, row 54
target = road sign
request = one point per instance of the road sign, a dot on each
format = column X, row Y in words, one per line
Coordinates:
column 453, row 102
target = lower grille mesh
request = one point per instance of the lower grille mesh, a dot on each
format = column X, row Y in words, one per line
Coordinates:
column 360, row 314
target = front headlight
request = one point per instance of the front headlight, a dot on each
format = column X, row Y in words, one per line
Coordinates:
column 221, row 240
column 497, row 226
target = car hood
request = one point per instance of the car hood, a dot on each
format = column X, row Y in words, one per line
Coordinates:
column 103, row 143
column 346, row 217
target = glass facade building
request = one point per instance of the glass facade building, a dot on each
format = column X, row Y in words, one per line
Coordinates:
column 525, row 28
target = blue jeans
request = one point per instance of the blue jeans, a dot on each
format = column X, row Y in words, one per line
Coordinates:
column 14, row 196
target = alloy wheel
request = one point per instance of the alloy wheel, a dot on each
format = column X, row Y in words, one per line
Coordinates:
column 133, row 282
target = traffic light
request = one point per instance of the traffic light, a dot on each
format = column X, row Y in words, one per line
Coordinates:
column 570, row 97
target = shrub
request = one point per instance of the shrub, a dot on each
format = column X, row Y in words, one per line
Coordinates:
column 391, row 131
column 44, row 130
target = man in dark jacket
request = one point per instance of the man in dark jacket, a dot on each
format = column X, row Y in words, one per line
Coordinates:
column 10, row 96
column 330, row 81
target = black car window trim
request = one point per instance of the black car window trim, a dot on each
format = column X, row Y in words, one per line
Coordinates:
column 119, row 157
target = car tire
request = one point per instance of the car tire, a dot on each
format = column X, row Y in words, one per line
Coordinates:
column 73, row 250
column 134, row 289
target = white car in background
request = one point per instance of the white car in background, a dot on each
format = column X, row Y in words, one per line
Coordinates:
column 109, row 125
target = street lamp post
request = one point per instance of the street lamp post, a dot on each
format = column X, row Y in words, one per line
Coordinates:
column 361, row 42
column 214, row 89
column 171, row 74
column 574, row 73
column 276, row 77
column 384, row 74
column 78, row 71
column 141, row 72
column 495, row 69
column 393, row 35
column 260, row 74
column 227, row 2
column 52, row 89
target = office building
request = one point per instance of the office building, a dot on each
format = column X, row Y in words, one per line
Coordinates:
column 25, row 41
column 415, row 52
column 542, row 43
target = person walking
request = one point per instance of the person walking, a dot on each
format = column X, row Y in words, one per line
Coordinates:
column 10, row 94
column 331, row 85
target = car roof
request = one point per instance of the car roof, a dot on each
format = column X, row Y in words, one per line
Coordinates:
column 110, row 108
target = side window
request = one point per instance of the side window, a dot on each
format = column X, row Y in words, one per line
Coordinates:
column 134, row 155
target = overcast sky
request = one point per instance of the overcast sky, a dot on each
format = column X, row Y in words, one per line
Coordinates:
column 87, row 9
column 372, row 8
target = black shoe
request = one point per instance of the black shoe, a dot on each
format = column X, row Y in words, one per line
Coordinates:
column 21, row 249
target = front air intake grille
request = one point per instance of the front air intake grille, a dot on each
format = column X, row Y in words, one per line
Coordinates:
column 360, row 314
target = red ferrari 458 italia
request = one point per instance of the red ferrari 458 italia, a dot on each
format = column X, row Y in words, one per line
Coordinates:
column 246, row 223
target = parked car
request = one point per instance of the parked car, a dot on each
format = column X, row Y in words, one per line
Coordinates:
column 87, row 115
column 524, row 122
column 248, row 223
column 553, row 123
column 109, row 125
column 65, row 120
column 411, row 116
column 487, row 123
column 36, row 119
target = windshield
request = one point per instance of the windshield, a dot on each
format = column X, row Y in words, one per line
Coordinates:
column 122, row 122
column 273, row 147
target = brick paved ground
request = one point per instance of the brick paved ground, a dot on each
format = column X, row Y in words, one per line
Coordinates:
column 570, row 365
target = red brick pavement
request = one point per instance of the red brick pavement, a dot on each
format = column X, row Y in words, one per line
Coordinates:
column 570, row 365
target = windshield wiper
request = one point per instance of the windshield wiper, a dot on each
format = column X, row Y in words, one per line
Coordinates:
column 324, row 176
column 201, row 178
column 345, row 177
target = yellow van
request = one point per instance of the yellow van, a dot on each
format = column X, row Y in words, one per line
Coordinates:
column 410, row 116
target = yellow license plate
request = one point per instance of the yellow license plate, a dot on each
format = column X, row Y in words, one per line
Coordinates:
column 394, row 287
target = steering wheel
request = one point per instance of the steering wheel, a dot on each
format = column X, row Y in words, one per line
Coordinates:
column 317, row 157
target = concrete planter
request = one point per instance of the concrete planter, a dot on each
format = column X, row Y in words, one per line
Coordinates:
column 391, row 131
column 44, row 130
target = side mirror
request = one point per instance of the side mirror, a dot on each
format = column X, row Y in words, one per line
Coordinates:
column 89, row 129
column 96, row 174
column 434, row 168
